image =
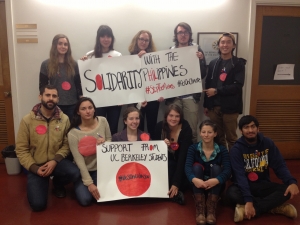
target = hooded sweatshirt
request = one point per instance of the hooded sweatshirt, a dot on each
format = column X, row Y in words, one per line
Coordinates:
column 251, row 163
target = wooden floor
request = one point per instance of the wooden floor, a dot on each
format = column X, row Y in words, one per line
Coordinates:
column 14, row 208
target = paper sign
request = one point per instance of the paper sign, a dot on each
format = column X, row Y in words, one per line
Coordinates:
column 284, row 72
column 132, row 170
column 130, row 79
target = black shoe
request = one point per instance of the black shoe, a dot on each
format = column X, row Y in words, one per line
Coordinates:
column 59, row 192
column 179, row 198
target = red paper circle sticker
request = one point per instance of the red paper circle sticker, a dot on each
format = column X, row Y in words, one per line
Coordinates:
column 223, row 76
column 87, row 146
column 252, row 176
column 145, row 137
column 41, row 129
column 66, row 85
column 174, row 146
column 133, row 179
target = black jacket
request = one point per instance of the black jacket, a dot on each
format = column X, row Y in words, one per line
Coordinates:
column 231, row 91
column 184, row 141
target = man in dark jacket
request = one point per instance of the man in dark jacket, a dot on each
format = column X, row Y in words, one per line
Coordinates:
column 252, row 192
column 223, row 87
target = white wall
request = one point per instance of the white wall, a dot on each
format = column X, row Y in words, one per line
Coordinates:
column 79, row 20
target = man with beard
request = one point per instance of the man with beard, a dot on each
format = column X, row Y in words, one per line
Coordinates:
column 42, row 148
column 252, row 192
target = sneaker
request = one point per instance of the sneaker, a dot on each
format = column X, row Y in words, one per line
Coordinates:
column 179, row 198
column 239, row 213
column 59, row 192
column 285, row 209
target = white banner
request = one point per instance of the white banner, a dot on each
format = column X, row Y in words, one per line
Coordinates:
column 132, row 169
column 130, row 79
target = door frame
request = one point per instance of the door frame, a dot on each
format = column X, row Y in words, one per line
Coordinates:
column 251, row 36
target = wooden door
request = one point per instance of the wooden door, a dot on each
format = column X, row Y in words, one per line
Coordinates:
column 6, row 114
column 276, row 103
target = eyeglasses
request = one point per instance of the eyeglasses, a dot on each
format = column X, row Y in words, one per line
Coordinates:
column 143, row 40
column 183, row 33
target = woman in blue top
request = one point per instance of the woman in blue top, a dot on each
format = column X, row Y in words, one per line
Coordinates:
column 208, row 168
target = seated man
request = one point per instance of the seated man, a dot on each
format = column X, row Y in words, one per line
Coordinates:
column 252, row 191
column 42, row 148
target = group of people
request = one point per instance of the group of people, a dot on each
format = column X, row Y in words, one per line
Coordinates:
column 67, row 124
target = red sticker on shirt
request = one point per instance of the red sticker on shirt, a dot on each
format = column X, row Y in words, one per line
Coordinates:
column 223, row 76
column 66, row 85
column 87, row 146
column 145, row 137
column 252, row 176
column 109, row 56
column 41, row 129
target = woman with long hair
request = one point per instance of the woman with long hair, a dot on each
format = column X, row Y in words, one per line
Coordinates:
column 208, row 168
column 131, row 119
column 177, row 134
column 85, row 132
column 141, row 44
column 104, row 47
column 61, row 71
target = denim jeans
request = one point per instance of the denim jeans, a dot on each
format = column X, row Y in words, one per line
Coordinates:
column 215, row 170
column 82, row 192
column 68, row 110
column 266, row 195
column 37, row 187
column 112, row 114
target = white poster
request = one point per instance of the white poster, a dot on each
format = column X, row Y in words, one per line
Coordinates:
column 132, row 169
column 130, row 79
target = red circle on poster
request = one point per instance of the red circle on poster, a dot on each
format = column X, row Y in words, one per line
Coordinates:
column 133, row 179
column 41, row 129
column 66, row 85
column 87, row 146
column 252, row 176
column 223, row 76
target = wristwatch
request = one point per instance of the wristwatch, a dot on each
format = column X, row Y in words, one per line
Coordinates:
column 216, row 91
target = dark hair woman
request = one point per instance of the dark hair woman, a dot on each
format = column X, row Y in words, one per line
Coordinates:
column 104, row 47
column 208, row 168
column 85, row 132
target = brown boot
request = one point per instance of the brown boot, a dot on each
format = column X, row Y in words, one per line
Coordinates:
column 211, row 205
column 200, row 209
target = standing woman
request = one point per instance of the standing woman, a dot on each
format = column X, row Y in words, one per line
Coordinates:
column 104, row 47
column 85, row 132
column 131, row 119
column 207, row 168
column 177, row 134
column 141, row 44
column 61, row 71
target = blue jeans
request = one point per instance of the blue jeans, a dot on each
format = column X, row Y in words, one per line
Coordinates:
column 112, row 114
column 266, row 195
column 37, row 187
column 82, row 192
column 215, row 170
column 68, row 110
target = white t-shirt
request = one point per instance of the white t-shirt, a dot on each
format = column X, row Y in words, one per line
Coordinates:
column 111, row 53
